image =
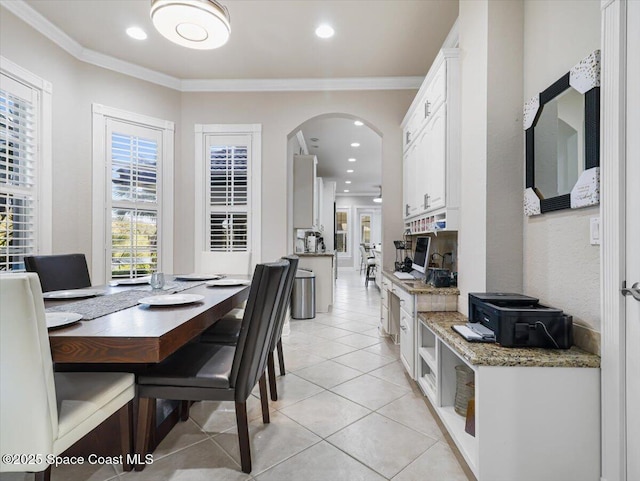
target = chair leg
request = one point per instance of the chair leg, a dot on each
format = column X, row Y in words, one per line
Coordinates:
column 126, row 434
column 281, row 357
column 271, row 371
column 184, row 410
column 43, row 475
column 146, row 407
column 264, row 399
column 243, row 436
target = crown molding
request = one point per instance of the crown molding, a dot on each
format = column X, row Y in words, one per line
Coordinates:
column 37, row 21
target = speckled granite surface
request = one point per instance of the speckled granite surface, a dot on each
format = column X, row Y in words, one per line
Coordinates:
column 418, row 287
column 489, row 354
column 314, row 254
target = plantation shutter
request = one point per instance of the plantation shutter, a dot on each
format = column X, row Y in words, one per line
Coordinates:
column 18, row 173
column 228, row 194
column 133, row 162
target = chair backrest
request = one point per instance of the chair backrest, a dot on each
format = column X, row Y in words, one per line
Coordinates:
column 29, row 415
column 285, row 300
column 259, row 320
column 58, row 272
column 230, row 263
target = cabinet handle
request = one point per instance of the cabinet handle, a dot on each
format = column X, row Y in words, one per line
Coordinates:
column 427, row 106
column 427, row 203
column 403, row 327
column 406, row 210
column 407, row 137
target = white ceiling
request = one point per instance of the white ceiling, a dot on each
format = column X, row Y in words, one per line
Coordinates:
column 273, row 39
column 333, row 148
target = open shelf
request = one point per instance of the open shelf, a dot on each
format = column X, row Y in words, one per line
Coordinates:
column 429, row 356
column 467, row 444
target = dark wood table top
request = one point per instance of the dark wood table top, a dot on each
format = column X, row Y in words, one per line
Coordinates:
column 142, row 334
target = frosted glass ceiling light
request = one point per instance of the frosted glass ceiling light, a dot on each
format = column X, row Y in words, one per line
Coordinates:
column 199, row 24
column 324, row 31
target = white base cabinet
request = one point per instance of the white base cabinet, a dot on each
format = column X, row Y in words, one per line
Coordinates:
column 531, row 423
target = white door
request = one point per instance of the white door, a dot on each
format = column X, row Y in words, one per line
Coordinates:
column 633, row 241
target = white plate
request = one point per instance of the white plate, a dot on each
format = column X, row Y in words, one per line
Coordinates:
column 229, row 282
column 131, row 282
column 198, row 277
column 59, row 319
column 170, row 299
column 73, row 294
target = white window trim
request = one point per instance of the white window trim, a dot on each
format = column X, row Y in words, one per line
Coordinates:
column 255, row 184
column 44, row 207
column 100, row 115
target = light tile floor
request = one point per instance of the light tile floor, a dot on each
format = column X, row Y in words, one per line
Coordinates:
column 346, row 411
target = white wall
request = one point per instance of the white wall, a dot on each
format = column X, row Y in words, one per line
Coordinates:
column 560, row 265
column 76, row 86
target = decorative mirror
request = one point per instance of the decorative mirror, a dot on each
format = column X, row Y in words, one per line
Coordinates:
column 562, row 132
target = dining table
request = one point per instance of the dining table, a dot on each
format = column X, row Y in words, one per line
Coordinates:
column 132, row 338
column 141, row 333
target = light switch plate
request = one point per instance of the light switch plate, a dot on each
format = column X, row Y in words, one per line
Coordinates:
column 594, row 231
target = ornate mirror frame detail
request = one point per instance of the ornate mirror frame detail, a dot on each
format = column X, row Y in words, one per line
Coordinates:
column 584, row 78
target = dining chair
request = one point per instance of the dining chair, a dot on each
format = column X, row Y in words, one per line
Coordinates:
column 42, row 412
column 227, row 330
column 59, row 272
column 217, row 372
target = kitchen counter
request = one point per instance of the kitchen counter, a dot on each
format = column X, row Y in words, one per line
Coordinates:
column 315, row 254
column 491, row 354
column 419, row 287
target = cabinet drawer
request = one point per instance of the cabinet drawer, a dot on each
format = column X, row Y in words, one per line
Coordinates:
column 406, row 299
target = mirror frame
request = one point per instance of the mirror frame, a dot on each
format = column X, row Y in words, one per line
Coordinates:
column 585, row 78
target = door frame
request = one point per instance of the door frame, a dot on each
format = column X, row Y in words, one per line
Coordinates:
column 613, row 258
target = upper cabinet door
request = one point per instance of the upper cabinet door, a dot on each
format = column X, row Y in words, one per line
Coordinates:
column 436, row 92
column 436, row 160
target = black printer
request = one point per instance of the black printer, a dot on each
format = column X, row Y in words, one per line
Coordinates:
column 521, row 321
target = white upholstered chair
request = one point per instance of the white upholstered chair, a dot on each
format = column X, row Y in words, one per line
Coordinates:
column 42, row 412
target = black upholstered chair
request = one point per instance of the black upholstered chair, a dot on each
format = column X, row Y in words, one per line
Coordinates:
column 59, row 272
column 217, row 372
column 227, row 330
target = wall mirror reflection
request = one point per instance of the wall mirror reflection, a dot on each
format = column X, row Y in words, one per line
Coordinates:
column 562, row 128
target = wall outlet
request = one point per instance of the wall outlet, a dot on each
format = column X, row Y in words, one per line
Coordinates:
column 594, row 231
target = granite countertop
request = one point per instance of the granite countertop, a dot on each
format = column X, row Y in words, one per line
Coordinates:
column 491, row 354
column 419, row 287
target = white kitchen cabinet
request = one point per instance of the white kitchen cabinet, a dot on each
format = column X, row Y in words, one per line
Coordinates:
column 327, row 219
column 305, row 197
column 535, row 412
column 318, row 207
column 407, row 344
column 323, row 266
column 431, row 137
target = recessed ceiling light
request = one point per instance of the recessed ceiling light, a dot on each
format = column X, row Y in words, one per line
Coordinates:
column 314, row 146
column 347, row 181
column 314, row 139
column 137, row 33
column 358, row 123
column 324, row 31
column 350, row 171
column 355, row 144
column 352, row 159
column 346, row 190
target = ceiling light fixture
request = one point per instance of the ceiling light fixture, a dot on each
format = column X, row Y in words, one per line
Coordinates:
column 350, row 171
column 355, row 144
column 347, row 181
column 351, row 159
column 325, row 31
column 137, row 33
column 198, row 24
column 346, row 190
column 358, row 123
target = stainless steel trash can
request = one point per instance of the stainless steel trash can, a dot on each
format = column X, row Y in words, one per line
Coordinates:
column 303, row 297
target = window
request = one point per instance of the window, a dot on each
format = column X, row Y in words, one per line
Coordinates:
column 365, row 229
column 228, row 189
column 134, row 163
column 25, row 166
column 342, row 231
